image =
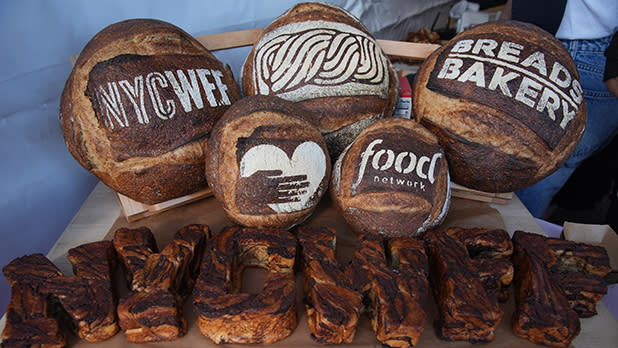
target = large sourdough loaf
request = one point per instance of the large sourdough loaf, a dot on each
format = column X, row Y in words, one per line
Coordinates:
column 505, row 100
column 138, row 106
column 325, row 59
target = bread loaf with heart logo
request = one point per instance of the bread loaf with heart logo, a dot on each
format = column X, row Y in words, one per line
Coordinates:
column 267, row 165
column 505, row 100
column 138, row 106
column 325, row 59
column 393, row 179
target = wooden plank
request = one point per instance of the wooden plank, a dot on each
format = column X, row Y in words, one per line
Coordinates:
column 133, row 210
column 410, row 50
column 228, row 40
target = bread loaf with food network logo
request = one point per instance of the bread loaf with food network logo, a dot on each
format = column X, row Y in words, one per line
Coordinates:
column 505, row 100
column 393, row 179
column 138, row 107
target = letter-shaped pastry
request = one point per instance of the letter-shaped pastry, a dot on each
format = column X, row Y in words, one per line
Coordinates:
column 466, row 311
column 227, row 316
column 27, row 321
column 549, row 291
column 159, row 282
column 394, row 299
column 86, row 298
column 331, row 302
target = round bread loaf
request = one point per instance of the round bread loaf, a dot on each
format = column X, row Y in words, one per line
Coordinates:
column 267, row 165
column 393, row 179
column 138, row 106
column 322, row 57
column 505, row 100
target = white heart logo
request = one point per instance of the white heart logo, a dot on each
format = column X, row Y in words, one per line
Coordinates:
column 299, row 178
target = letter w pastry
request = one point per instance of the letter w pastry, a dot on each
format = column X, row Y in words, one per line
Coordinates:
column 159, row 282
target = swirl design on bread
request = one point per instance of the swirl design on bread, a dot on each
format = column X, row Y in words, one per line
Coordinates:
column 319, row 59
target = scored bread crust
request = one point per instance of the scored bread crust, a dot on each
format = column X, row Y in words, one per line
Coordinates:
column 488, row 149
column 151, row 177
column 340, row 118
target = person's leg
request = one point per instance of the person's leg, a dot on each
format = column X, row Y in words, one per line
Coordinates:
column 601, row 123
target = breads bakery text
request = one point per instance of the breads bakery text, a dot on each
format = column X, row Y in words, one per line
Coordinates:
column 551, row 90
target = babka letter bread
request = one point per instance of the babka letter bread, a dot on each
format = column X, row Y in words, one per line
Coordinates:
column 331, row 301
column 43, row 300
column 88, row 298
column 465, row 310
column 323, row 58
column 158, row 282
column 224, row 314
column 393, row 179
column 266, row 164
column 555, row 282
column 490, row 251
column 581, row 269
column 138, row 107
column 28, row 323
column 391, row 294
column 506, row 102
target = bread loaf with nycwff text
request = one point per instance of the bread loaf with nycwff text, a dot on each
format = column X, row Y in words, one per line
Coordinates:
column 138, row 107
column 393, row 179
column 506, row 102
column 325, row 59
column 266, row 164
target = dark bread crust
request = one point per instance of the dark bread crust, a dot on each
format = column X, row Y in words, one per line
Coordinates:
column 252, row 121
column 387, row 211
column 487, row 147
column 148, row 164
column 340, row 118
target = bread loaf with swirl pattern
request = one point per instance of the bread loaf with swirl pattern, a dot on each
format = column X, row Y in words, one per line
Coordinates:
column 325, row 59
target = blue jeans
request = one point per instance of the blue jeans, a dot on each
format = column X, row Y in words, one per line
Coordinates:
column 601, row 122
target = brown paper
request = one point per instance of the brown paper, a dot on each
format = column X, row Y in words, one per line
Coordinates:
column 463, row 213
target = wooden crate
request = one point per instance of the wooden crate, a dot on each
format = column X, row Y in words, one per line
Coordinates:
column 134, row 210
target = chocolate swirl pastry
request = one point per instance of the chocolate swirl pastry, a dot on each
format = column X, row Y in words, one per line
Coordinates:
column 323, row 58
column 331, row 302
column 490, row 251
column 159, row 282
column 227, row 316
column 88, row 297
column 460, row 271
column 27, row 320
column 85, row 301
column 555, row 281
column 581, row 269
column 392, row 294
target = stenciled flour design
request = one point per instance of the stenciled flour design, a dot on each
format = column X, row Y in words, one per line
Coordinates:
column 284, row 183
column 315, row 59
column 397, row 163
column 525, row 80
